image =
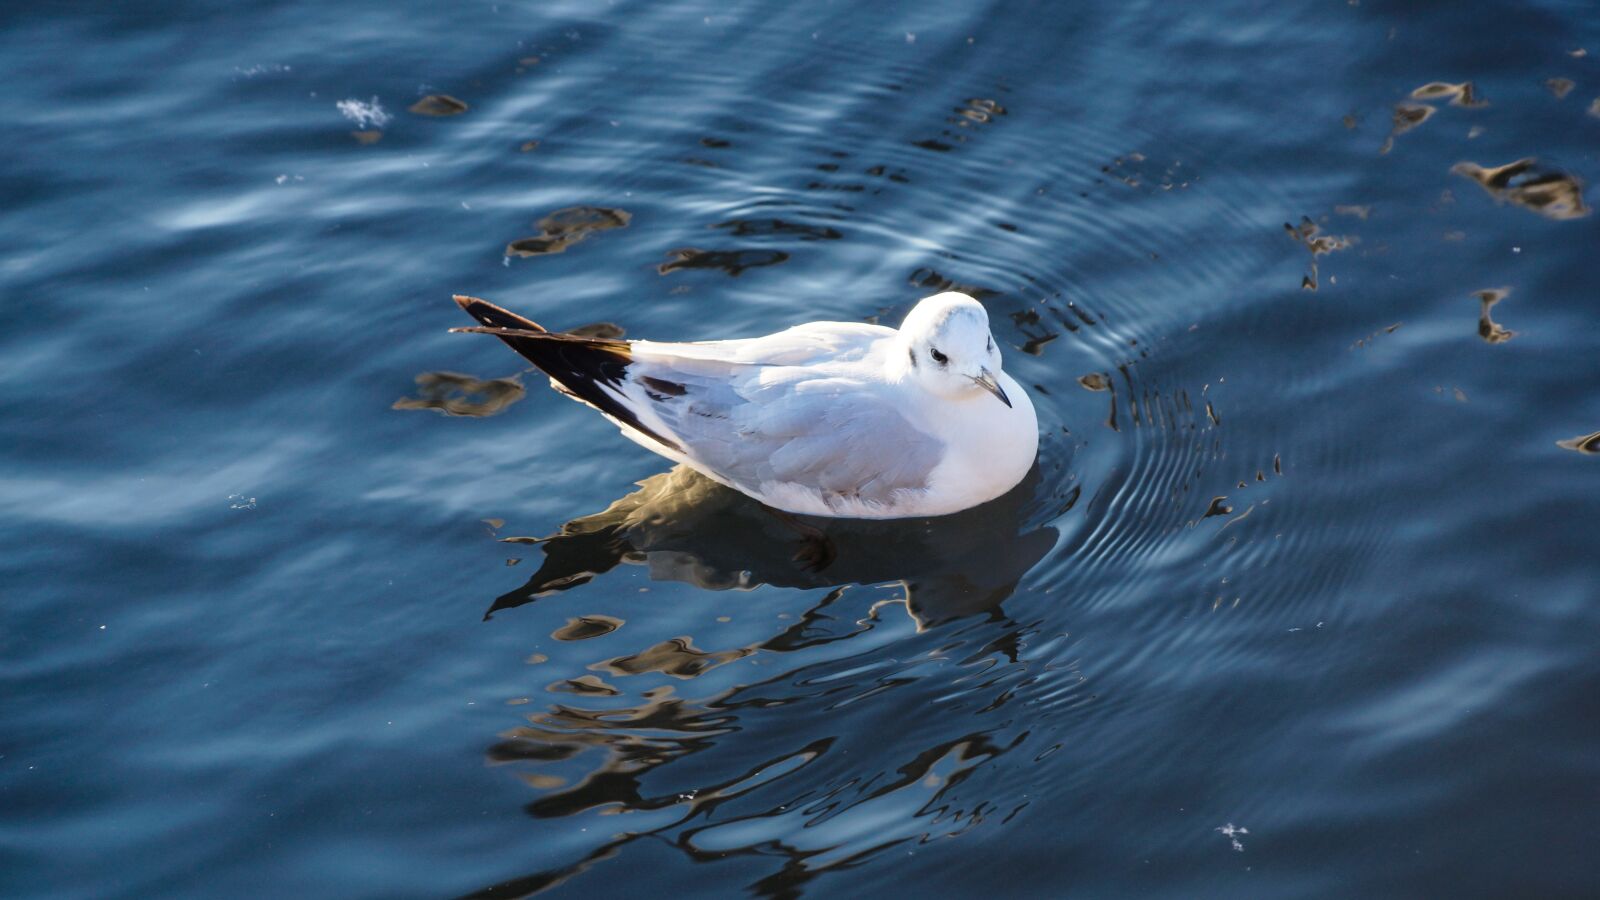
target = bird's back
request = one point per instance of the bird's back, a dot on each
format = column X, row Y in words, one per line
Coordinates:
column 801, row 419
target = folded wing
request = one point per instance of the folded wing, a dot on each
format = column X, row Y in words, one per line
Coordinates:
column 770, row 416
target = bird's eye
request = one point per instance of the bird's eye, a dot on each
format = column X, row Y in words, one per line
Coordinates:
column 938, row 357
column 989, row 345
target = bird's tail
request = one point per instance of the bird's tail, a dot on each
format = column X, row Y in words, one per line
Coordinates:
column 494, row 317
column 590, row 369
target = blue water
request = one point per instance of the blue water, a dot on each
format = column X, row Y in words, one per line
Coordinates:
column 1301, row 599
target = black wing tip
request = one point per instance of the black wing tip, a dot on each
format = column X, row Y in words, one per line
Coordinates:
column 492, row 315
column 583, row 366
column 503, row 332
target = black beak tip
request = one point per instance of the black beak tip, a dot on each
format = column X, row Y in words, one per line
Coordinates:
column 990, row 384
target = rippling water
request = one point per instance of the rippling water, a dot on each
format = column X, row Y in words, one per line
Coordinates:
column 1300, row 599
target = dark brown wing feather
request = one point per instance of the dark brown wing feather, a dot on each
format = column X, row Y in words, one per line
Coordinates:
column 581, row 365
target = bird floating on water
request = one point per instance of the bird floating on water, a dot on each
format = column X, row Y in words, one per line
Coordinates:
column 840, row 419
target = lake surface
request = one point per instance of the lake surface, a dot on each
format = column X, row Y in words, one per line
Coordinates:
column 1301, row 600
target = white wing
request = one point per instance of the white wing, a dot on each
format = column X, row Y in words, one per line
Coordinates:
column 803, row 410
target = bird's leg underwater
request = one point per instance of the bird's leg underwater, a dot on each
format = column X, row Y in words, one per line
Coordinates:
column 817, row 550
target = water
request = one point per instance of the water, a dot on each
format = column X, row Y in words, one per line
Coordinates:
column 1299, row 602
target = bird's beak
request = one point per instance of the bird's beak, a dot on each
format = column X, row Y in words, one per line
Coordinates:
column 985, row 380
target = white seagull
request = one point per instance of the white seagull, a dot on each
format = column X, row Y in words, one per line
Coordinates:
column 840, row 419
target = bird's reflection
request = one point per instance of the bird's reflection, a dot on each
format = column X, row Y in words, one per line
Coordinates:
column 700, row 768
column 685, row 527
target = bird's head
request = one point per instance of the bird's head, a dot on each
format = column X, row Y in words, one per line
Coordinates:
column 947, row 348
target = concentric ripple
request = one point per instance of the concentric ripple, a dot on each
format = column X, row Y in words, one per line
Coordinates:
column 1149, row 491
column 1297, row 601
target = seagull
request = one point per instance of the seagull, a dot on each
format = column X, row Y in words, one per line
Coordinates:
column 834, row 419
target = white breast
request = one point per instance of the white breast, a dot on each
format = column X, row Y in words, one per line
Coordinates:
column 989, row 449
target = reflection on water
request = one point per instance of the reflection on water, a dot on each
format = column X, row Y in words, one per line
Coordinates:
column 1309, row 235
column 779, row 228
column 733, row 262
column 583, row 628
column 439, row 105
column 462, row 395
column 605, row 331
column 565, row 227
column 1461, row 94
column 590, row 685
column 934, row 282
column 1491, row 331
column 1589, row 443
column 685, row 527
column 1100, row 381
column 1406, row 117
column 1550, row 193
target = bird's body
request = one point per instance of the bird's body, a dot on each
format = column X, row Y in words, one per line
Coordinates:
column 827, row 418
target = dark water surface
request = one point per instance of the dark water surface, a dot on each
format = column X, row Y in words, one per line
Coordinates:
column 1302, row 599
